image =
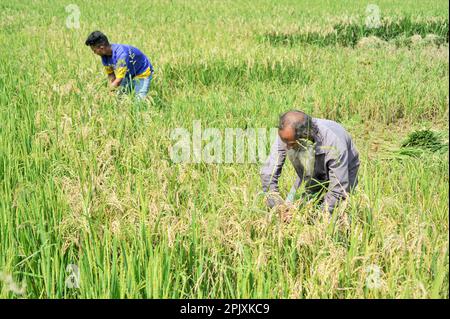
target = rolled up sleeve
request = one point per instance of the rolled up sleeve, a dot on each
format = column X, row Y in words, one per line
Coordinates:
column 109, row 69
column 121, row 67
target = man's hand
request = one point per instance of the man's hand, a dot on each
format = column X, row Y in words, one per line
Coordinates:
column 111, row 77
column 286, row 212
column 284, row 208
column 273, row 199
column 116, row 83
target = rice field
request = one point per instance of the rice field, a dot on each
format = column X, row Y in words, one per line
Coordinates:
column 92, row 205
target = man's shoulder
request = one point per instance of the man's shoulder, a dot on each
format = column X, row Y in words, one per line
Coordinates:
column 128, row 49
column 329, row 125
column 331, row 133
column 326, row 123
column 119, row 48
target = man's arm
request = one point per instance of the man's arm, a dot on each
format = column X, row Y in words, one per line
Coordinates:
column 271, row 171
column 338, row 187
column 109, row 70
column 115, row 82
column 112, row 80
column 291, row 196
column 111, row 77
column 120, row 70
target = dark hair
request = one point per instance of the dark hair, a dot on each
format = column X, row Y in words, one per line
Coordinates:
column 97, row 38
column 300, row 121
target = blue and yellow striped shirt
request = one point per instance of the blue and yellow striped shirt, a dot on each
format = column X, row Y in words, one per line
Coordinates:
column 127, row 60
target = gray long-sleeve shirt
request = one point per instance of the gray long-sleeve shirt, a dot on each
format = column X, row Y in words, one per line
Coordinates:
column 336, row 163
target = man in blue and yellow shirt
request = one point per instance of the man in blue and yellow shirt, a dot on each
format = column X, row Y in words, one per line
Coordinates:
column 126, row 66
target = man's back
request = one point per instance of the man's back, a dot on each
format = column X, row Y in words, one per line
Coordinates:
column 128, row 59
column 331, row 136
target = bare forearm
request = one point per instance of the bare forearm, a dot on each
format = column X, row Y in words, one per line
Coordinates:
column 111, row 77
column 116, row 83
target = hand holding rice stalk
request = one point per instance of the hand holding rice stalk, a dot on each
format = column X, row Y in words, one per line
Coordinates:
column 286, row 212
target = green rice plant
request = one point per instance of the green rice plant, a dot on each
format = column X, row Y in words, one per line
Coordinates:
column 424, row 139
column 86, row 179
column 422, row 142
column 350, row 33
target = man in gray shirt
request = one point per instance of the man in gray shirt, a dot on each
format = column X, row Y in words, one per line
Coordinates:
column 322, row 153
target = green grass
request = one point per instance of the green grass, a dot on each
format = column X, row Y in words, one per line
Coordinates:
column 349, row 33
column 87, row 179
column 425, row 140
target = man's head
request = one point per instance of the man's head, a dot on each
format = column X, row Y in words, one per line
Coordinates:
column 295, row 126
column 99, row 43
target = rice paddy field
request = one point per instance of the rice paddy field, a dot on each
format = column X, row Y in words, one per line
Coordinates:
column 92, row 206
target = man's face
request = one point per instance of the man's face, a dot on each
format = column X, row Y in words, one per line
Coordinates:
column 287, row 135
column 99, row 49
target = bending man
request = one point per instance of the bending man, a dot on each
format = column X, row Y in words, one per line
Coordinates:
column 322, row 153
column 127, row 67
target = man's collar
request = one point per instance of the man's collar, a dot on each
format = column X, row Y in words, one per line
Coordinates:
column 113, row 49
